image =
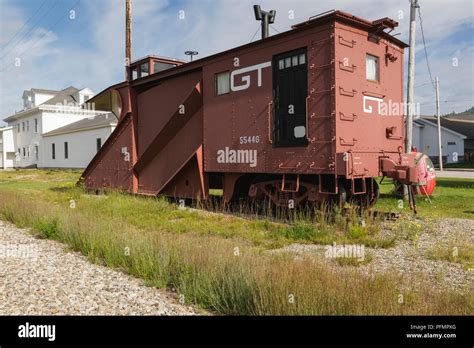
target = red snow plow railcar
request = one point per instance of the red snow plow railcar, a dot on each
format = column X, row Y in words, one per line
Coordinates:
column 311, row 114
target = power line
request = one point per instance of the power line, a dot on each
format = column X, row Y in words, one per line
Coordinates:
column 271, row 26
column 450, row 101
column 60, row 19
column 424, row 84
column 29, row 31
column 24, row 25
column 424, row 45
column 253, row 37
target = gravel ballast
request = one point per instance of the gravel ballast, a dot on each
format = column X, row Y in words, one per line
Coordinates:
column 39, row 277
column 410, row 258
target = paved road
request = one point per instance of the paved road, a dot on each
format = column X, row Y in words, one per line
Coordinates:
column 38, row 277
column 462, row 174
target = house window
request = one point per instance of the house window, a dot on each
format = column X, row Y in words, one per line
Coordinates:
column 53, row 151
column 18, row 127
column 66, row 152
column 223, row 83
column 24, row 152
column 372, row 68
column 36, row 152
column 28, row 125
column 28, row 152
column 86, row 98
column 23, row 126
column 98, row 142
column 36, row 125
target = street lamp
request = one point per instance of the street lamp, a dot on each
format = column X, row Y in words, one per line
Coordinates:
column 191, row 53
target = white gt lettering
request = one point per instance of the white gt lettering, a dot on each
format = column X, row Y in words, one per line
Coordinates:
column 368, row 109
column 246, row 78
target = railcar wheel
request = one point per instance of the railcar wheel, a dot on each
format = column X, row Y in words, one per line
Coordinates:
column 370, row 197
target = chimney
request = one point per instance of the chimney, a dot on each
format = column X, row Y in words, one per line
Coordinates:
column 266, row 18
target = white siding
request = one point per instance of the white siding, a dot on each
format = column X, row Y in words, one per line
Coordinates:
column 7, row 148
column 426, row 139
column 40, row 98
column 55, row 120
column 27, row 141
column 81, row 148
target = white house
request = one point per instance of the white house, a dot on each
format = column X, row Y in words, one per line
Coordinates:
column 74, row 145
column 425, row 139
column 45, row 111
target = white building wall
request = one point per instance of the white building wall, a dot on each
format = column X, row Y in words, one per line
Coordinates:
column 427, row 138
column 7, row 148
column 26, row 138
column 82, row 147
column 55, row 120
column 8, row 144
column 417, row 137
column 39, row 98
column 29, row 145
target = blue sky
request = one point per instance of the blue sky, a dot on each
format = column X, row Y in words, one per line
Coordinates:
column 56, row 51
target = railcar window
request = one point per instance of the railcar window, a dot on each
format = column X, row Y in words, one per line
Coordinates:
column 223, row 83
column 292, row 61
column 302, row 59
column 144, row 69
column 134, row 73
column 372, row 67
column 159, row 66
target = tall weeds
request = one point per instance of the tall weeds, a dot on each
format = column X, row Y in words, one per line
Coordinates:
column 227, row 276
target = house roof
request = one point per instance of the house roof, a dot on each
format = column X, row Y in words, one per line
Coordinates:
column 464, row 127
column 44, row 91
column 63, row 97
column 100, row 121
column 465, row 117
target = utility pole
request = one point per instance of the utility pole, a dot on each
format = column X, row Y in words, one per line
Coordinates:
column 438, row 114
column 411, row 77
column 411, row 84
column 128, row 38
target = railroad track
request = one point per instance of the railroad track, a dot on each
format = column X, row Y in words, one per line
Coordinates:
column 286, row 215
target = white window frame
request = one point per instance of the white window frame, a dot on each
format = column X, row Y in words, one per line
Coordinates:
column 222, row 83
column 368, row 73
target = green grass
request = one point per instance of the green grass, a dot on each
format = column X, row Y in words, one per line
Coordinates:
column 451, row 198
column 458, row 251
column 466, row 165
column 150, row 213
column 353, row 261
column 214, row 260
